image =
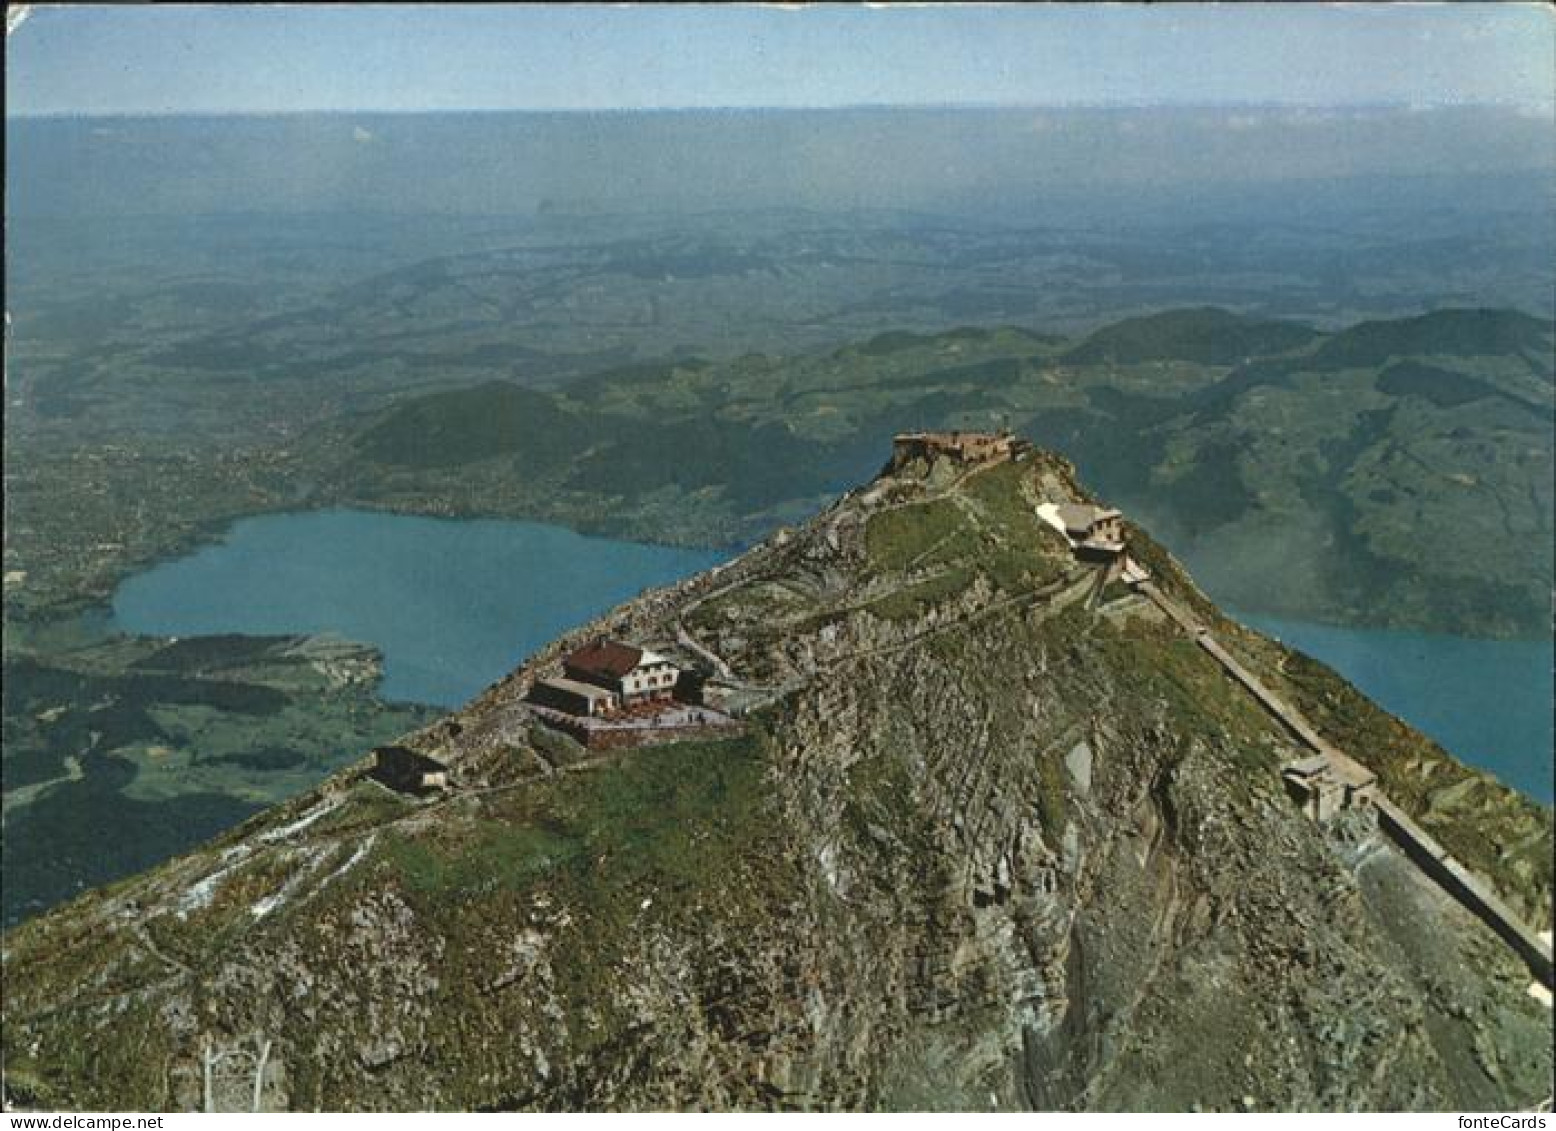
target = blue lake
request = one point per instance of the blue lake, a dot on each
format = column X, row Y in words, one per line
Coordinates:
column 453, row 605
column 1487, row 701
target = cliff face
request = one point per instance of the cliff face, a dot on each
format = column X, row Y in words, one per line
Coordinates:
column 993, row 836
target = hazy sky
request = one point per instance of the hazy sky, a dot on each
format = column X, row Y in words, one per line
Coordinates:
column 183, row 58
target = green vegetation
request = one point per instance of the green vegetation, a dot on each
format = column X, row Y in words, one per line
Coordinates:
column 1075, row 775
column 1442, row 333
column 132, row 1067
column 367, row 805
column 1205, row 335
column 121, row 754
column 1289, row 486
column 1395, row 472
column 1442, row 387
column 904, row 538
column 664, row 816
column 686, row 376
column 665, row 835
column 469, row 425
column 1053, row 807
column 1158, row 665
column 991, row 528
column 487, row 855
column 912, row 601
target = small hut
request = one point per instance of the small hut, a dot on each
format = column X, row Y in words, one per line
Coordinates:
column 408, row 771
column 1323, row 786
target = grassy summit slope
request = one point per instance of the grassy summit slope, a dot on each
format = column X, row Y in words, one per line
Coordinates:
column 983, row 843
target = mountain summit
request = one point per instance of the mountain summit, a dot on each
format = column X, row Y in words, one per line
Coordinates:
column 967, row 798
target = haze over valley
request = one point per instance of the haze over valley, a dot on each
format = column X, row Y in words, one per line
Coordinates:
column 1267, row 390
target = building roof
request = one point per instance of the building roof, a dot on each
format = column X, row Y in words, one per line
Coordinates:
column 605, row 657
column 574, row 687
column 1080, row 517
column 612, row 658
column 1336, row 769
column 396, row 752
column 1352, row 772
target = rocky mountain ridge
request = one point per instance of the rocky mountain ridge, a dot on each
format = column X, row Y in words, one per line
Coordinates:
column 995, row 835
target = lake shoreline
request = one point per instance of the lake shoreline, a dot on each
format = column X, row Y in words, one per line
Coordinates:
column 1433, row 683
column 366, row 574
column 382, row 563
column 214, row 531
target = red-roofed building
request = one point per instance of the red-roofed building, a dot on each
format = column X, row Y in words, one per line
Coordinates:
column 634, row 674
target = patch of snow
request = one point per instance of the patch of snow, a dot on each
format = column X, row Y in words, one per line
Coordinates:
column 328, row 805
column 199, row 895
column 1049, row 513
column 1070, row 848
column 309, row 861
column 1078, row 762
column 262, row 907
column 827, row 858
column 356, row 858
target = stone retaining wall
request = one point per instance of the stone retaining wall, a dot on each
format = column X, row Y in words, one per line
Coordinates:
column 625, row 738
column 1468, row 888
column 1458, row 881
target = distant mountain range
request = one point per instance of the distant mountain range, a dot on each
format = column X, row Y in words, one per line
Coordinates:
column 1213, row 164
column 1393, row 472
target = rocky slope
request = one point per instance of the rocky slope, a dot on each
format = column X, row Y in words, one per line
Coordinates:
column 991, row 838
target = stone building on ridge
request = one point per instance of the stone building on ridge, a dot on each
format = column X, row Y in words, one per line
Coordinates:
column 964, row 447
column 632, row 674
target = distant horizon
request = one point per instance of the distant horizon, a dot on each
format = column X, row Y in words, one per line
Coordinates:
column 1541, row 109
column 92, row 60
